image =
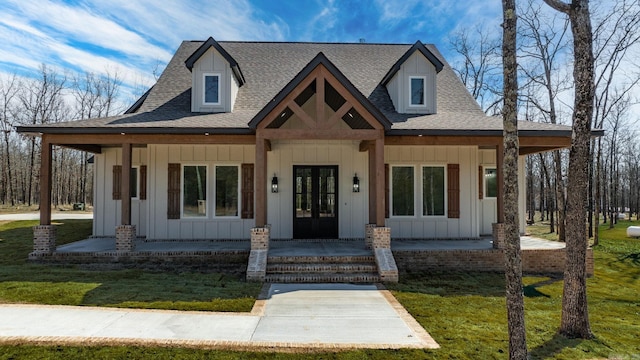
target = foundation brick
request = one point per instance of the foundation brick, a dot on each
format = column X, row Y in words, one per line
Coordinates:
column 125, row 237
column 498, row 235
column 381, row 238
column 260, row 237
column 368, row 235
column 44, row 239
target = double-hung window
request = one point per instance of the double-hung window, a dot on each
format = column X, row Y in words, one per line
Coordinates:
column 433, row 188
column 211, row 89
column 194, row 191
column 402, row 191
column 227, row 190
column 417, row 96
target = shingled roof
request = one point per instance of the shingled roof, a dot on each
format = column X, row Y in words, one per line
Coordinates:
column 267, row 67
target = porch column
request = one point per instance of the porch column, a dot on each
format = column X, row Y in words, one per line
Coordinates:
column 125, row 232
column 380, row 181
column 372, row 185
column 44, row 235
column 261, row 181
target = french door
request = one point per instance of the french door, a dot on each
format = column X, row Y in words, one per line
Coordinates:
column 315, row 202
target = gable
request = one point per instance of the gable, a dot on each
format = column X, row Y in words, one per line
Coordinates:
column 320, row 98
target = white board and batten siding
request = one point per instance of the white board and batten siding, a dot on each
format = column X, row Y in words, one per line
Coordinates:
column 399, row 86
column 437, row 227
column 211, row 62
column 107, row 213
column 353, row 211
column 488, row 207
column 209, row 227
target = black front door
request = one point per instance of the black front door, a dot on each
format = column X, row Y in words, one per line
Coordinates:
column 315, row 201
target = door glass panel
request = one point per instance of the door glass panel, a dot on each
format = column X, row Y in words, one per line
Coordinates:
column 303, row 193
column 327, row 182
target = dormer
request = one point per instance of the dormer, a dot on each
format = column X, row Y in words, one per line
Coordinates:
column 215, row 78
column 411, row 81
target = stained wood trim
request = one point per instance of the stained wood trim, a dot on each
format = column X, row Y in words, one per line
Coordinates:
column 453, row 191
column 125, row 191
column 306, row 118
column 173, row 192
column 45, row 182
column 386, row 190
column 333, row 134
column 247, row 191
column 480, row 182
column 117, row 183
column 338, row 115
column 320, row 100
column 143, row 183
column 70, row 140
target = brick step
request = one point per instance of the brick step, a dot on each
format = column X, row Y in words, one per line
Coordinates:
column 359, row 278
column 321, row 259
column 306, row 268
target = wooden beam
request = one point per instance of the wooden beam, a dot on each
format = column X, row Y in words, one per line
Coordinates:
column 379, row 185
column 330, row 134
column 443, row 140
column 338, row 115
column 372, row 184
column 261, row 181
column 137, row 139
column 45, row 181
column 306, row 118
column 267, row 145
column 354, row 102
column 537, row 149
column 499, row 170
column 94, row 149
column 320, row 103
column 125, row 187
column 366, row 145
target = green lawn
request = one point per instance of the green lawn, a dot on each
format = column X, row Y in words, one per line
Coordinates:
column 463, row 312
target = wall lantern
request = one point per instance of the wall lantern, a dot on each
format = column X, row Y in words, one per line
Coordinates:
column 274, row 184
column 356, row 183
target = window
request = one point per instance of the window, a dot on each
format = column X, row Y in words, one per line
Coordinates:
column 491, row 182
column 417, row 93
column 227, row 190
column 133, row 184
column 402, row 191
column 433, row 199
column 211, row 89
column 194, row 191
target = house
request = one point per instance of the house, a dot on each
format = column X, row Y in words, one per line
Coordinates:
column 267, row 140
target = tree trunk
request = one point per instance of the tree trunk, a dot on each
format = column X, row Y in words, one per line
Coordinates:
column 575, row 314
column 513, row 261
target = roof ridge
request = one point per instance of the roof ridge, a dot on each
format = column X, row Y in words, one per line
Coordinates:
column 304, row 42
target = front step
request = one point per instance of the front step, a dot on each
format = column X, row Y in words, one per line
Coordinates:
column 322, row 269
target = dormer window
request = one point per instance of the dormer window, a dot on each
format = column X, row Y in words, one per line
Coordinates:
column 416, row 89
column 211, row 91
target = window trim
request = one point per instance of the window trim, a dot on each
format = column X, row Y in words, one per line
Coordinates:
column 239, row 191
column 204, row 89
column 484, row 181
column 206, row 187
column 415, row 191
column 424, row 92
column 444, row 189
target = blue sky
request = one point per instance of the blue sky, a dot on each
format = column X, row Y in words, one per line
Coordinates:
column 134, row 37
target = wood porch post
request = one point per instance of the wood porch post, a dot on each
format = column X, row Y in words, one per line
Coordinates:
column 261, row 181
column 372, row 186
column 379, row 183
column 45, row 182
column 499, row 163
column 125, row 185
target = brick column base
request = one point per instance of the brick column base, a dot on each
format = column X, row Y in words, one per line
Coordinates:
column 44, row 239
column 125, row 237
column 368, row 235
column 498, row 235
column 381, row 238
column 260, row 237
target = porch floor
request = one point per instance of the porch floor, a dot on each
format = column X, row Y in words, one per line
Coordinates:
column 318, row 247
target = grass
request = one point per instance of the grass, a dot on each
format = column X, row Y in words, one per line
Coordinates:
column 22, row 282
column 463, row 312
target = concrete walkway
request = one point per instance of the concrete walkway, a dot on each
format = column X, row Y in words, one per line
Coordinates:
column 301, row 315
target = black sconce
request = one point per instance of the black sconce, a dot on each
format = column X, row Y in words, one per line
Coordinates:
column 274, row 184
column 356, row 183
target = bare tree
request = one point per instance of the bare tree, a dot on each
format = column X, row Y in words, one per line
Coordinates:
column 575, row 314
column 543, row 42
column 513, row 261
column 8, row 90
column 479, row 66
column 41, row 101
